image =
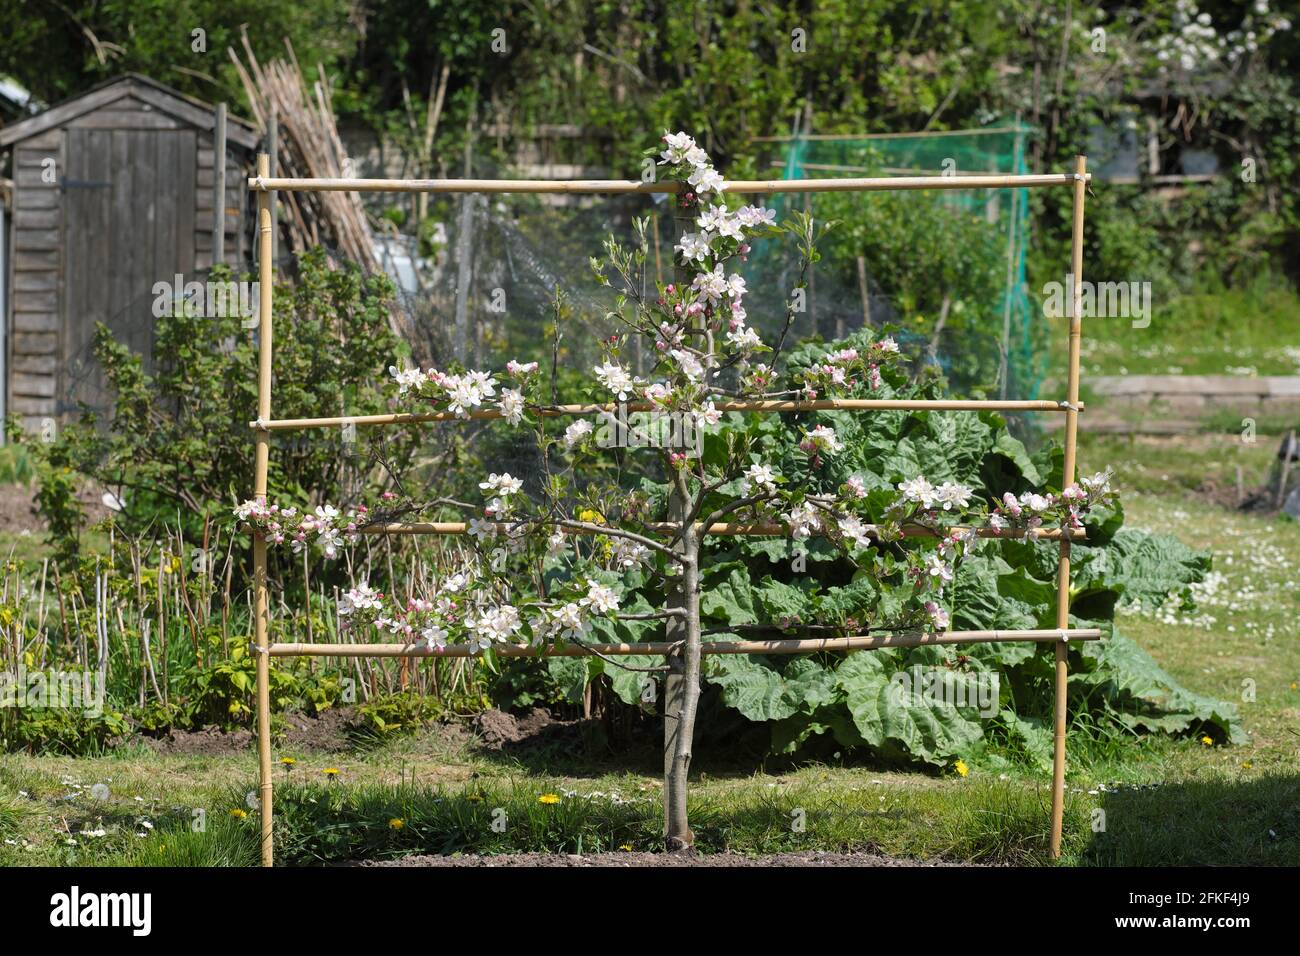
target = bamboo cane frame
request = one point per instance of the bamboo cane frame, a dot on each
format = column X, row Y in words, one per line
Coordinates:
column 262, row 427
column 720, row 529
column 663, row 648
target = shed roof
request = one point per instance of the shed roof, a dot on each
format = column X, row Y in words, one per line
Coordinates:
column 162, row 97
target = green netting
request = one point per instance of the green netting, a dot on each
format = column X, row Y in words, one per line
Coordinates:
column 915, row 258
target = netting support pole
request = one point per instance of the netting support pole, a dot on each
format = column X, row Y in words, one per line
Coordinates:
column 1067, row 478
column 262, row 438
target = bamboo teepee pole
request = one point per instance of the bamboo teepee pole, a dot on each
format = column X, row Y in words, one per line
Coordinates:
column 1067, row 478
column 261, row 607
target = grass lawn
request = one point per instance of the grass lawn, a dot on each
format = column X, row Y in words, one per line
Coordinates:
column 1246, row 331
column 1161, row 801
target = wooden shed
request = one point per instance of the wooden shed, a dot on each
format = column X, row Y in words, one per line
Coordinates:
column 113, row 192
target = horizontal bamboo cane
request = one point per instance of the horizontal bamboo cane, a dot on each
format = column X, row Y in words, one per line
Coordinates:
column 615, row 186
column 795, row 646
column 727, row 529
column 766, row 407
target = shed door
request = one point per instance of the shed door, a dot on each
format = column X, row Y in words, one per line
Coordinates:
column 128, row 222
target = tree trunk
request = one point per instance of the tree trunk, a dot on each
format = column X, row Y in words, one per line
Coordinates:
column 681, row 703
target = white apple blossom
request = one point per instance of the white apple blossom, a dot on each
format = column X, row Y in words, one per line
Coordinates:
column 854, row 530
column 568, row 621
column 918, row 490
column 512, row 405
column 617, row 379
column 360, row 598
column 760, row 477
column 713, row 218
column 706, row 415
column 600, row 598
column 252, row 509
column 502, row 484
column 407, row 378
column 695, row 156
column 938, row 616
column 497, row 624
column 936, row 567
column 676, row 148
column 706, row 179
column 1097, row 484
column 756, row 216
column 657, row 392
column 557, row 544
column 711, row 286
column 804, row 520
column 950, row 495
column 821, row 438
column 435, row 637
column 744, row 338
column 629, row 554
column 694, row 247
column 576, row 432
column 689, row 364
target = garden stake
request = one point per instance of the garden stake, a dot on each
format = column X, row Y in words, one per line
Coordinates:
column 261, row 608
column 1067, row 477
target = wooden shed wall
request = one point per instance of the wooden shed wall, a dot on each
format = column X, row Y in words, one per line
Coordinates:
column 133, row 205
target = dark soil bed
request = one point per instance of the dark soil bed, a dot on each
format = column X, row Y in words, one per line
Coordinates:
column 815, row 858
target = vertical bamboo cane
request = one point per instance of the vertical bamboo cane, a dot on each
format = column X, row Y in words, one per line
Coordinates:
column 1067, row 478
column 261, row 612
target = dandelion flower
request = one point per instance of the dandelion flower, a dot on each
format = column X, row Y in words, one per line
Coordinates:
column 548, row 798
column 239, row 813
column 396, row 823
column 331, row 772
column 961, row 768
column 1208, row 741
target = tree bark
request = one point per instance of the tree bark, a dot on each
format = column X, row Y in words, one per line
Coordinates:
column 681, row 703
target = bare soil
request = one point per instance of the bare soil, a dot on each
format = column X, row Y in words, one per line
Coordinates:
column 813, row 858
column 327, row 733
column 498, row 730
column 18, row 508
column 17, row 513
